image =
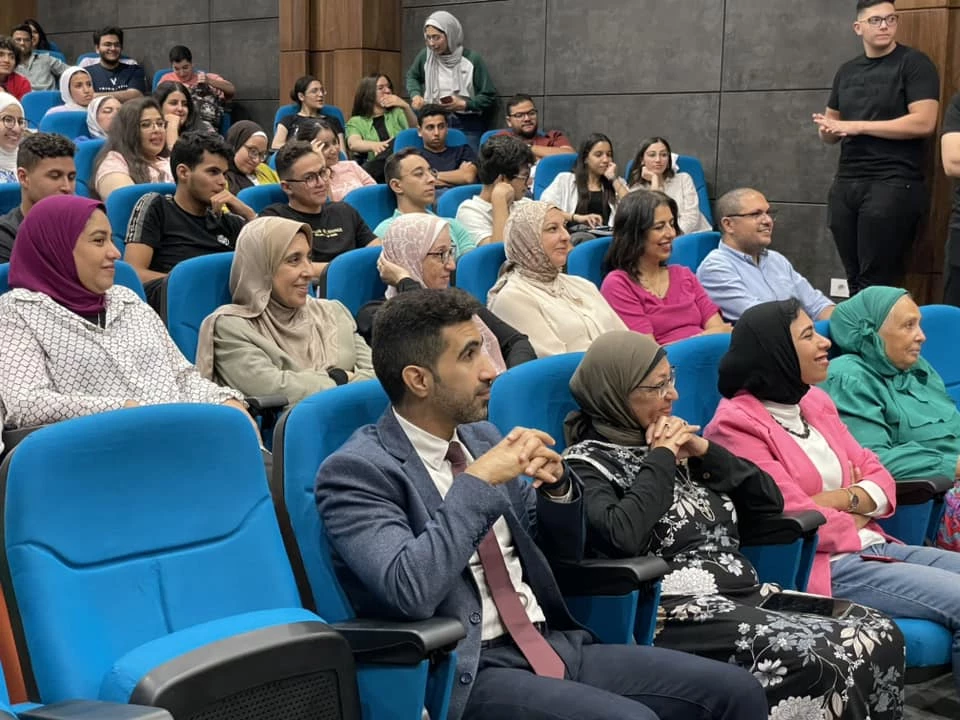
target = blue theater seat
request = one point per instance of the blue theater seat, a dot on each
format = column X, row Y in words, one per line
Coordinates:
column 84, row 159
column 285, row 110
column 477, row 270
column 375, row 203
column 71, row 124
column 353, row 279
column 449, row 202
column 941, row 324
column 9, row 197
column 548, row 168
column 586, row 259
column 36, row 103
column 690, row 249
column 194, row 289
column 259, row 196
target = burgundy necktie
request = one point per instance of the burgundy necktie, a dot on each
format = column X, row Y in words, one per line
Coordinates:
column 538, row 652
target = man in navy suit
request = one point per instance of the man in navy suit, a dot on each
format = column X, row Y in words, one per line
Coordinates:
column 427, row 515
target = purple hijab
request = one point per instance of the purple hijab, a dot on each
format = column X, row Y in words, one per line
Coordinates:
column 42, row 257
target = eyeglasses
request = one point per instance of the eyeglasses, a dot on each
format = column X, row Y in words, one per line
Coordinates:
column 878, row 20
column 661, row 389
column 756, row 214
column 444, row 256
column 420, row 173
column 312, row 179
column 255, row 154
column 148, row 124
column 523, row 178
column 532, row 114
column 10, row 122
column 316, row 91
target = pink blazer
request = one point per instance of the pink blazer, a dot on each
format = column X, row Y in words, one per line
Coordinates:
column 745, row 428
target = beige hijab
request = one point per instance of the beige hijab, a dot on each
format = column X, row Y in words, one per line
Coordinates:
column 406, row 243
column 307, row 334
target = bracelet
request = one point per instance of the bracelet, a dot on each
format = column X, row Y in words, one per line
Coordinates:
column 854, row 502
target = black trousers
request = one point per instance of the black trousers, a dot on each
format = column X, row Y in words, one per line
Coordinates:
column 874, row 223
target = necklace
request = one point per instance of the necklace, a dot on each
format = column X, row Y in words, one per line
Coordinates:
column 803, row 435
column 655, row 288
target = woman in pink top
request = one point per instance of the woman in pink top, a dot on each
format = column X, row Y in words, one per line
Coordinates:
column 136, row 149
column 773, row 417
column 651, row 297
column 345, row 175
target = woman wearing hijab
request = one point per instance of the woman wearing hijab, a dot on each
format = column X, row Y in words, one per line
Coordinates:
column 12, row 125
column 650, row 484
column 76, row 91
column 418, row 253
column 248, row 143
column 100, row 114
column 560, row 313
column 72, row 342
column 772, row 416
column 447, row 74
column 276, row 339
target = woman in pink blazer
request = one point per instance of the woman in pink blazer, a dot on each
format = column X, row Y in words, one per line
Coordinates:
column 771, row 416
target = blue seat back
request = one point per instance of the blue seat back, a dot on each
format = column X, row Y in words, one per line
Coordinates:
column 4, row 277
column 120, row 206
column 124, row 275
column 86, row 155
column 697, row 361
column 195, row 288
column 284, row 110
column 536, row 395
column 36, row 103
column 411, row 138
column 9, row 197
column 56, row 53
column 489, row 134
column 122, row 527
column 941, row 324
column 692, row 248
column 71, row 123
column 157, row 75
column 477, row 270
column 586, row 259
column 375, row 203
column 548, row 168
column 450, row 201
column 259, row 196
column 352, row 278
column 88, row 56
column 308, row 433
column 694, row 168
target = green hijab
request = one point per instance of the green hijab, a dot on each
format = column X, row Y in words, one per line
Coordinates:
column 611, row 369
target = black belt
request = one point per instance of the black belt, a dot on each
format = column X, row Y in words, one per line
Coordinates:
column 505, row 639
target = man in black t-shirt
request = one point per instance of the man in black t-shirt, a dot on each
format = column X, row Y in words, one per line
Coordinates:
column 950, row 157
column 200, row 218
column 337, row 227
column 454, row 165
column 882, row 106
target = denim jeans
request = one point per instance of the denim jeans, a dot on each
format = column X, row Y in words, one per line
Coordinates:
column 926, row 585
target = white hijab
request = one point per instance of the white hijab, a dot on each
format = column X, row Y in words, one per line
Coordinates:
column 93, row 124
column 69, row 104
column 450, row 64
column 8, row 158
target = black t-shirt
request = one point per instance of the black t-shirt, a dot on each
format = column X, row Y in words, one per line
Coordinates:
column 597, row 206
column 175, row 235
column 450, row 158
column 951, row 124
column 9, row 224
column 336, row 229
column 881, row 89
column 294, row 122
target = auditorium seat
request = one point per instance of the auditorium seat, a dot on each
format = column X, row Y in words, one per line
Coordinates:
column 449, row 202
column 194, row 289
column 586, row 259
column 411, row 138
column 70, row 124
column 548, row 168
column 9, row 197
column 120, row 204
column 87, row 151
column 259, row 196
column 353, row 279
column 375, row 203
column 36, row 103
column 477, row 271
column 291, row 109
column 941, row 325
column 694, row 168
column 689, row 250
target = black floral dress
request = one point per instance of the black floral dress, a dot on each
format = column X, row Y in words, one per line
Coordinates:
column 812, row 666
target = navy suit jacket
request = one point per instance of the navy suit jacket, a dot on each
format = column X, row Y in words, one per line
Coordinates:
column 401, row 551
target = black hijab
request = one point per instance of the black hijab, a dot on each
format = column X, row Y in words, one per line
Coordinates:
column 237, row 137
column 762, row 358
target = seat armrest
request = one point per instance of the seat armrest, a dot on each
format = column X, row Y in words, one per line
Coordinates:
column 13, row 436
column 608, row 576
column 780, row 529
column 93, row 710
column 916, row 491
column 382, row 642
column 261, row 404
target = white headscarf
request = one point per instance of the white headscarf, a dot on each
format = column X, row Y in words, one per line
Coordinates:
column 8, row 158
column 69, row 104
column 93, row 124
column 450, row 63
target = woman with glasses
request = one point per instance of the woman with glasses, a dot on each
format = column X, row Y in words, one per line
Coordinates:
column 275, row 339
column 418, row 253
column 136, row 149
column 652, row 485
column 308, row 94
column 248, row 167
column 12, row 125
column 560, row 313
column 653, row 169
column 664, row 301
column 345, row 175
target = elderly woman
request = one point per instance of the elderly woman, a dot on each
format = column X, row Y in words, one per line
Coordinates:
column 12, row 125
column 71, row 342
column 76, row 91
column 248, row 145
column 276, row 339
column 772, row 416
column 652, row 485
column 560, row 313
column 418, row 253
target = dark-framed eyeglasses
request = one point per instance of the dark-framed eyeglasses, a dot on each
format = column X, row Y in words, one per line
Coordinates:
column 255, row 154
column 444, row 256
column 878, row 20
column 756, row 215
column 312, row 179
column 10, row 122
column 532, row 114
column 661, row 389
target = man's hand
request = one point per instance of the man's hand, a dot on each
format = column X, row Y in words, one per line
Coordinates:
column 835, row 127
column 416, row 102
column 502, row 193
column 522, row 451
column 233, row 203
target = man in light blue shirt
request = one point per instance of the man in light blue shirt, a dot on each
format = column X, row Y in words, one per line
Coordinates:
column 743, row 271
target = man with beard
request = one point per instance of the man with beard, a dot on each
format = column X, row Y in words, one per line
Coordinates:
column 123, row 79
column 427, row 515
column 522, row 120
column 743, row 271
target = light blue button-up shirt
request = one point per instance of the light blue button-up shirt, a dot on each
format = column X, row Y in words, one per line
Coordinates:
column 735, row 282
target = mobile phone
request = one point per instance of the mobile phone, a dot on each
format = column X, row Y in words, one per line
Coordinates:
column 446, row 99
column 789, row 601
column 880, row 558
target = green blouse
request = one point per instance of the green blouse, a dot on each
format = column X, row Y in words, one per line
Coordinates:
column 395, row 119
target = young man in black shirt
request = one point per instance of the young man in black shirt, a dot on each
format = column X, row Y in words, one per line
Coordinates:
column 882, row 106
column 337, row 227
column 200, row 218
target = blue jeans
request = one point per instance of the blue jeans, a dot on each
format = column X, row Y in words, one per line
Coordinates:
column 926, row 585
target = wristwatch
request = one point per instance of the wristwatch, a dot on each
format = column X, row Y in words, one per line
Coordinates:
column 854, row 500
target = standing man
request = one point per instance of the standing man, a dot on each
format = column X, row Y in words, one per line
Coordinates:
column 41, row 69
column 122, row 80
column 882, row 105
